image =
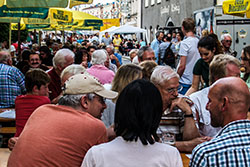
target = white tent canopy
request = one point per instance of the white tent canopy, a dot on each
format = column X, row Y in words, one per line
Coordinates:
column 126, row 29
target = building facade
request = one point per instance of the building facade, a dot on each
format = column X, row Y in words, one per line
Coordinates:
column 157, row 14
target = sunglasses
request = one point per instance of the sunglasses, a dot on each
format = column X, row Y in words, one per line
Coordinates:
column 228, row 41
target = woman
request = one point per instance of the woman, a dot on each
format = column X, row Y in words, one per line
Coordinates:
column 81, row 57
column 245, row 62
column 125, row 74
column 135, row 125
column 208, row 48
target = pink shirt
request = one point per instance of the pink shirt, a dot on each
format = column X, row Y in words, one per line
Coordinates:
column 102, row 73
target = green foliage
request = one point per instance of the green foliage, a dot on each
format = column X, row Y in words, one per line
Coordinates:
column 4, row 35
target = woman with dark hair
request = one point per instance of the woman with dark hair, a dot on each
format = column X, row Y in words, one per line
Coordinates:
column 208, row 48
column 137, row 117
column 81, row 57
column 245, row 62
column 46, row 56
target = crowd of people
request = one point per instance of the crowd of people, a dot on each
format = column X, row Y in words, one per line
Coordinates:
column 80, row 105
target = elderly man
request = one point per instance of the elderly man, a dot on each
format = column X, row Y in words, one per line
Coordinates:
column 144, row 53
column 156, row 43
column 116, row 58
column 226, row 41
column 34, row 62
column 221, row 66
column 62, row 59
column 228, row 106
column 98, row 68
column 11, row 81
column 60, row 135
column 167, row 81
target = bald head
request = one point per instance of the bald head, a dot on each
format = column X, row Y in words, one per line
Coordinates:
column 235, row 89
column 229, row 100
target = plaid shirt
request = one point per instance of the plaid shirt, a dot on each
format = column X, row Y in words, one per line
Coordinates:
column 11, row 85
column 230, row 147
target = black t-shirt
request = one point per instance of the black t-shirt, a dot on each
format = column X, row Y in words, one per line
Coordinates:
column 202, row 68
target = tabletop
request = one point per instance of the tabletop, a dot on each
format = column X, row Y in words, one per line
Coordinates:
column 4, row 155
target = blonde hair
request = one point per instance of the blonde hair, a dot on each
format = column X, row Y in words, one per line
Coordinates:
column 147, row 68
column 126, row 74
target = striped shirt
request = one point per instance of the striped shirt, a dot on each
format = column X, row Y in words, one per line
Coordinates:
column 230, row 147
column 11, row 85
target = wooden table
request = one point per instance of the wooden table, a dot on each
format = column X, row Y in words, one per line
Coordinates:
column 185, row 160
column 4, row 155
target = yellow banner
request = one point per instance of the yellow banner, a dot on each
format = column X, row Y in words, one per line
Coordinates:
column 236, row 6
column 108, row 23
column 14, row 26
column 61, row 15
column 39, row 21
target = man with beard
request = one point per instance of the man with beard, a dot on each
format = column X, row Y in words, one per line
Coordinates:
column 34, row 62
column 228, row 106
column 167, row 81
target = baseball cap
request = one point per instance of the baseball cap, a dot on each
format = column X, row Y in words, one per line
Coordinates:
column 86, row 83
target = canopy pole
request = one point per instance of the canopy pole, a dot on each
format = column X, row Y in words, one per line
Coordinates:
column 19, row 40
column 10, row 37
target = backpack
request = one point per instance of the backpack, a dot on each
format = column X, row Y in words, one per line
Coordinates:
column 169, row 56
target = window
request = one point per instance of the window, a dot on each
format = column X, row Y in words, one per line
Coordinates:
column 152, row 2
column 146, row 3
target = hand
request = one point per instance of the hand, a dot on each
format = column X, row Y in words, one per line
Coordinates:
column 11, row 143
column 182, row 104
column 111, row 133
column 113, row 57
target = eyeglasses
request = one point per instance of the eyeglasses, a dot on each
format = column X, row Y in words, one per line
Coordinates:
column 102, row 100
column 172, row 90
column 228, row 41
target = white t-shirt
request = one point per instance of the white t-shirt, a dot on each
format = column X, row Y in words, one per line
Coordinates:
column 120, row 153
column 200, row 101
column 189, row 49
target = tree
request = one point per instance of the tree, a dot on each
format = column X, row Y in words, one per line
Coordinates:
column 4, row 35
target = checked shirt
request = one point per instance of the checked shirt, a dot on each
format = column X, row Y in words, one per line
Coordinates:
column 12, row 84
column 230, row 147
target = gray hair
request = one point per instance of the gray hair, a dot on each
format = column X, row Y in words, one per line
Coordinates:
column 111, row 47
column 162, row 74
column 99, row 57
column 74, row 101
column 59, row 58
column 72, row 70
column 142, row 50
column 223, row 36
column 133, row 51
column 4, row 57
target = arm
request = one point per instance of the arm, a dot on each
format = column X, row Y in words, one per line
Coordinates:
column 195, row 85
column 188, row 146
column 190, row 130
column 182, row 65
column 113, row 57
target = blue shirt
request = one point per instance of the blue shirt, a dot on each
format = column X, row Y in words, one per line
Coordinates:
column 230, row 147
column 155, row 46
column 11, row 85
column 119, row 57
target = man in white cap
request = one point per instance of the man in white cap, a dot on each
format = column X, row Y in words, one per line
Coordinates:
column 60, row 135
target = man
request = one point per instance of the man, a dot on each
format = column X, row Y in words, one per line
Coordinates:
column 226, row 41
column 34, row 62
column 162, row 49
column 228, row 106
column 62, row 59
column 98, row 69
column 189, row 54
column 116, row 58
column 117, row 43
column 156, row 43
column 106, row 39
column 221, row 66
column 144, row 53
column 60, row 135
column 11, row 81
column 167, row 81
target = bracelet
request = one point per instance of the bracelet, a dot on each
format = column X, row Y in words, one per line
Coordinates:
column 188, row 116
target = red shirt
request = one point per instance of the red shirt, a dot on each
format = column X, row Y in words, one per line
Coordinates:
column 25, row 105
column 55, row 84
